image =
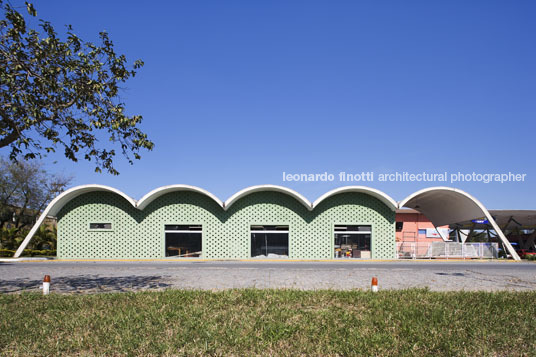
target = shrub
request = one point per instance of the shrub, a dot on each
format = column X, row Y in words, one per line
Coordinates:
column 29, row 253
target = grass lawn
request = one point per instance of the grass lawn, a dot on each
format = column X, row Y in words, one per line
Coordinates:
column 277, row 322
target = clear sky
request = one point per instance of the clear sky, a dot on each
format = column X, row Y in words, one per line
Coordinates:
column 234, row 93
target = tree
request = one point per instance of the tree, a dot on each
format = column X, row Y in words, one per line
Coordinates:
column 11, row 238
column 45, row 238
column 64, row 94
column 25, row 190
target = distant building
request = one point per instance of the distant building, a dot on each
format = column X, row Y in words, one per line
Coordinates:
column 413, row 226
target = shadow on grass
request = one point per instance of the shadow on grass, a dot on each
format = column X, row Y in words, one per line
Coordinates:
column 86, row 284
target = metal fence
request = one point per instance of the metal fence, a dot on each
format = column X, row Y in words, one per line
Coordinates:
column 446, row 250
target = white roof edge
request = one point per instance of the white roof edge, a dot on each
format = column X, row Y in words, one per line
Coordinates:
column 57, row 203
column 260, row 188
column 403, row 202
column 160, row 191
column 382, row 196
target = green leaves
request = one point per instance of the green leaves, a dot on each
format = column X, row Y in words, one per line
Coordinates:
column 56, row 93
column 30, row 8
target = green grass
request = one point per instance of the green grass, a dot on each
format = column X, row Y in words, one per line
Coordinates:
column 275, row 322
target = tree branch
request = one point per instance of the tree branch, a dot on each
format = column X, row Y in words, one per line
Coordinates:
column 8, row 139
column 14, row 135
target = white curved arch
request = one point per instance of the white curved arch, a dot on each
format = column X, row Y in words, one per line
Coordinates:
column 436, row 200
column 383, row 197
column 61, row 200
column 160, row 191
column 261, row 188
column 447, row 205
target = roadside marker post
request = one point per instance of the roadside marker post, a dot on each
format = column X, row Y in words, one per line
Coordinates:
column 374, row 285
column 46, row 285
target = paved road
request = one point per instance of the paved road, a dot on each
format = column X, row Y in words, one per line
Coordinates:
column 90, row 277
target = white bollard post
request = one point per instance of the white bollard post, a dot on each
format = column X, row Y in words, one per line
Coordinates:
column 46, row 285
column 374, row 285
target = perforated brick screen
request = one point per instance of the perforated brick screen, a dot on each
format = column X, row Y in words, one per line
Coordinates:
column 226, row 234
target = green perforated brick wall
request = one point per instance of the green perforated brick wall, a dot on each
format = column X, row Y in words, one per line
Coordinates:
column 226, row 234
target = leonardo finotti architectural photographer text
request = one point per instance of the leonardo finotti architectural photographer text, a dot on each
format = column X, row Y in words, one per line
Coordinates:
column 370, row 176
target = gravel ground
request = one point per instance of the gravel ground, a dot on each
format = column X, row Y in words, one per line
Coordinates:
column 91, row 277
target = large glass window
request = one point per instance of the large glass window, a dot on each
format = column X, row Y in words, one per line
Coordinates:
column 183, row 240
column 269, row 241
column 352, row 241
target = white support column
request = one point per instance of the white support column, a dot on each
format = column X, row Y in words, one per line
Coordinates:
column 30, row 235
column 441, row 234
column 501, row 235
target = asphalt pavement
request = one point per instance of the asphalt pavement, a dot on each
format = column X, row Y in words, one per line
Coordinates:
column 110, row 276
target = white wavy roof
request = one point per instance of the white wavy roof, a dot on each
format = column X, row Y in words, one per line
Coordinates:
column 383, row 197
column 445, row 205
column 61, row 200
column 57, row 204
column 160, row 191
column 262, row 188
column 442, row 205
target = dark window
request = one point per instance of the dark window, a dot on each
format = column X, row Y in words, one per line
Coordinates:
column 183, row 240
column 344, row 228
column 183, row 227
column 267, row 240
column 100, row 226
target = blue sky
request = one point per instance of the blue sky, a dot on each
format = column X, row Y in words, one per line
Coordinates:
column 234, row 93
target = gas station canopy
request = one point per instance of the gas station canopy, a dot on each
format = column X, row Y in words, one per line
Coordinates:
column 506, row 219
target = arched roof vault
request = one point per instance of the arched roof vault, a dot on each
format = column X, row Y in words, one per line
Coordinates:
column 263, row 188
column 447, row 205
column 383, row 197
column 61, row 200
column 154, row 194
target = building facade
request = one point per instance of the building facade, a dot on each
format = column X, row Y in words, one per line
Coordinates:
column 101, row 222
column 266, row 223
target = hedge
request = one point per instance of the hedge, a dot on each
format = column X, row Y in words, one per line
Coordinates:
column 28, row 252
